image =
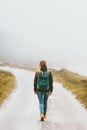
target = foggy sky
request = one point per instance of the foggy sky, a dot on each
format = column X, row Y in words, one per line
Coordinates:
column 31, row 30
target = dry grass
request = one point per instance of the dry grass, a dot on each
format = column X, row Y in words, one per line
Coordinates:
column 74, row 82
column 7, row 83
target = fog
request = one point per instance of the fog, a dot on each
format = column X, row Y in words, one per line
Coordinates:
column 31, row 30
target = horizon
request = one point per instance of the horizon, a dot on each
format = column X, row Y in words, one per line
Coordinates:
column 81, row 70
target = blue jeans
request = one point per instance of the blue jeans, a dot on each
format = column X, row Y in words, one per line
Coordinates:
column 43, row 97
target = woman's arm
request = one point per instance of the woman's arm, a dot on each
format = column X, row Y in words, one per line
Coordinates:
column 35, row 82
column 51, row 82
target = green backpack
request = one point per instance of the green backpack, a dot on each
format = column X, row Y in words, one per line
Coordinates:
column 43, row 81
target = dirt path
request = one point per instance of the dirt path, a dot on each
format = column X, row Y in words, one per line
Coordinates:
column 21, row 112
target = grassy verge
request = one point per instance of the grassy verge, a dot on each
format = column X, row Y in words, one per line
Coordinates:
column 7, row 83
column 71, row 81
column 74, row 82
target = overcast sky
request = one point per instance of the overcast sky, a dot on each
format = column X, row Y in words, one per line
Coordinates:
column 43, row 29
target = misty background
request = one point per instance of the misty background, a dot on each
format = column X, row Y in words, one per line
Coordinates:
column 32, row 30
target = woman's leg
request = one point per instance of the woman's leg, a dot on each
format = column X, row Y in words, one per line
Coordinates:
column 41, row 101
column 46, row 95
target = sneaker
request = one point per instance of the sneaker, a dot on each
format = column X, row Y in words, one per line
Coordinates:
column 42, row 119
column 42, row 116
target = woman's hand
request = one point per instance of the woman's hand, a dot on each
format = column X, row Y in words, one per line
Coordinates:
column 51, row 93
column 35, row 92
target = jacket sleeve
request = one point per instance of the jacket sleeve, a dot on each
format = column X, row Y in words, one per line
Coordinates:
column 35, row 82
column 51, row 82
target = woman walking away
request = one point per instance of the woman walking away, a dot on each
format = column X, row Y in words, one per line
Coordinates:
column 43, row 87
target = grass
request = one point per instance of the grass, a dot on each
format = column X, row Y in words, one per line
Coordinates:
column 71, row 81
column 7, row 83
column 74, row 82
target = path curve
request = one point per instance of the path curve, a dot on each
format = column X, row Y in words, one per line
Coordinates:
column 20, row 111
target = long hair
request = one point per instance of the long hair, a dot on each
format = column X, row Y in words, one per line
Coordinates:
column 43, row 65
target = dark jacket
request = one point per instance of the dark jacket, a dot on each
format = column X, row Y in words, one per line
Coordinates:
column 50, row 81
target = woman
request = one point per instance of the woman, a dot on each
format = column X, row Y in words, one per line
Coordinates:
column 43, row 87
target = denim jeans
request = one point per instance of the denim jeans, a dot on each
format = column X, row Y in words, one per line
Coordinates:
column 43, row 97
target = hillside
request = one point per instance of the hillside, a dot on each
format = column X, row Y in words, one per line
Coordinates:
column 7, row 83
column 74, row 82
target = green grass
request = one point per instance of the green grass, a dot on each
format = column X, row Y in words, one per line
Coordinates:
column 74, row 82
column 7, row 83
